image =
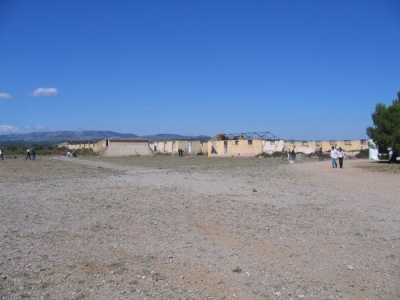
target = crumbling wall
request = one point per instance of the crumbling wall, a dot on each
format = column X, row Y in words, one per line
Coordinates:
column 172, row 147
column 127, row 149
column 235, row 148
column 273, row 146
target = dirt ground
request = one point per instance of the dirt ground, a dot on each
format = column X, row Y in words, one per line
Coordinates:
column 197, row 228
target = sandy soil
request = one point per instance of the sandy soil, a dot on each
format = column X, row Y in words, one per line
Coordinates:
column 197, row 228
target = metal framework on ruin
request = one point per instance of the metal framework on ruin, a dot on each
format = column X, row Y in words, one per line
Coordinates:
column 259, row 135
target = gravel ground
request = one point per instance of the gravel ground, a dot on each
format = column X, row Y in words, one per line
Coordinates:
column 197, row 228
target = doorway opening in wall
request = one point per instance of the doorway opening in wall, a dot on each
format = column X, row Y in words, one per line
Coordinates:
column 250, row 142
column 225, row 147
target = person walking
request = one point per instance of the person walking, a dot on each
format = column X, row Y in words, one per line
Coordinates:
column 334, row 156
column 340, row 155
column 1, row 154
column 28, row 154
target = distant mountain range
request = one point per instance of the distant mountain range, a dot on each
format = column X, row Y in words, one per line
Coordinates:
column 84, row 135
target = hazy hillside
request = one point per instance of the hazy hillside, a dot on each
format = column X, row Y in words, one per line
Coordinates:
column 61, row 136
column 68, row 135
column 172, row 136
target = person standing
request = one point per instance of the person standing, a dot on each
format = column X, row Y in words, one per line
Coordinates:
column 1, row 154
column 320, row 154
column 293, row 154
column 340, row 155
column 33, row 154
column 334, row 156
column 28, row 154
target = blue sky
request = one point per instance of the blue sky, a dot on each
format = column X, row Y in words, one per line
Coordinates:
column 302, row 69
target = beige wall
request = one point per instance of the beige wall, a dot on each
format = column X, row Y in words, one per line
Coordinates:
column 79, row 146
column 306, row 147
column 96, row 147
column 172, row 147
column 127, row 148
column 190, row 147
column 227, row 148
column 235, row 148
column 100, row 146
column 347, row 145
column 204, row 147
column 270, row 147
column 166, row 147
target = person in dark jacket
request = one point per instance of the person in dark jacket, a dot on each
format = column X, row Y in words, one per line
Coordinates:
column 33, row 154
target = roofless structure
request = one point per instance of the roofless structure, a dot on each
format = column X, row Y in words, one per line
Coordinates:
column 252, row 135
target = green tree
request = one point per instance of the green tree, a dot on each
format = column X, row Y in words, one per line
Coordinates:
column 386, row 130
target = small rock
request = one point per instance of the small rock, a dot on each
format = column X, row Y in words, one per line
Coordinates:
column 350, row 267
column 237, row 270
column 254, row 191
column 157, row 277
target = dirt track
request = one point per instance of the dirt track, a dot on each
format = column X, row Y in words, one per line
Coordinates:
column 198, row 228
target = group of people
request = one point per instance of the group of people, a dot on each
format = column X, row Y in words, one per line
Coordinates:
column 337, row 155
column 30, row 154
column 70, row 154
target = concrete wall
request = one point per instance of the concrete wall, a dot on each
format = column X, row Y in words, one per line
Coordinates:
column 306, row 147
column 227, row 148
column 79, row 146
column 190, row 147
column 127, row 148
column 100, row 146
column 204, row 147
column 270, row 147
column 349, row 146
column 166, row 147
column 172, row 147
column 235, row 148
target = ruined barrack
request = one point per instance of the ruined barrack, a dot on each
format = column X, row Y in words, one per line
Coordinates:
column 254, row 135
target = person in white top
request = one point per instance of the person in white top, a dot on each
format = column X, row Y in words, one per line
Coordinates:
column 340, row 155
column 28, row 154
column 334, row 156
column 1, row 155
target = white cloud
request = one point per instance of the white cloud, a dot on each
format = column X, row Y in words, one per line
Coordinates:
column 45, row 92
column 5, row 96
column 5, row 129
